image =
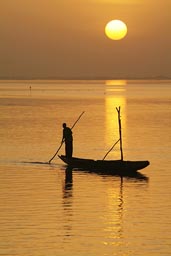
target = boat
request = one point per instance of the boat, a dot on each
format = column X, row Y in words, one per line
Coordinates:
column 119, row 167
column 116, row 167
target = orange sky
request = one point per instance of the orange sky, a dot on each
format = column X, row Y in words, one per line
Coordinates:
column 65, row 39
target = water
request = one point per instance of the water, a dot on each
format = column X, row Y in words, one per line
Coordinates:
column 46, row 211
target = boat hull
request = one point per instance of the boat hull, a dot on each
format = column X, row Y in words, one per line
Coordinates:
column 108, row 166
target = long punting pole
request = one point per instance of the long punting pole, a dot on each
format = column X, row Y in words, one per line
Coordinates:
column 120, row 136
column 120, row 131
column 63, row 141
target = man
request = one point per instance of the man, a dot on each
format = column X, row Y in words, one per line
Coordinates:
column 68, row 139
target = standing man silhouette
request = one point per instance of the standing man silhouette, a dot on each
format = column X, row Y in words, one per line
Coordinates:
column 68, row 139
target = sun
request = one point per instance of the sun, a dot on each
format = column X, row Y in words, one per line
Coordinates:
column 115, row 29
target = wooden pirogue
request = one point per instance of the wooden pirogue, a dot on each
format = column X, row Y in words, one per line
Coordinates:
column 109, row 166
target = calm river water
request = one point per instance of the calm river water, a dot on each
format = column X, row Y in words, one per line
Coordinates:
column 43, row 211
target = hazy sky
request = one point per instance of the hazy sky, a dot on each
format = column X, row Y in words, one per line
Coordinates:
column 65, row 38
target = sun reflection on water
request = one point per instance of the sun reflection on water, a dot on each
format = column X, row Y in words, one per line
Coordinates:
column 116, row 82
column 114, row 219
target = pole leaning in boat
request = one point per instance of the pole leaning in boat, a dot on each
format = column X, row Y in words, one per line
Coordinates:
column 120, row 136
column 63, row 141
column 120, row 131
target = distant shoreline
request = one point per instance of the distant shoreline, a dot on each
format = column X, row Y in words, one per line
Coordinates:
column 82, row 79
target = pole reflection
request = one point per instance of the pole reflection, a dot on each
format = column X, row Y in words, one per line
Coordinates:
column 116, row 209
column 114, row 218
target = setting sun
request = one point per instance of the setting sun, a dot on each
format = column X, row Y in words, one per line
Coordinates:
column 115, row 29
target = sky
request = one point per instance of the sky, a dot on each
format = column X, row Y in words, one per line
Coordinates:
column 65, row 39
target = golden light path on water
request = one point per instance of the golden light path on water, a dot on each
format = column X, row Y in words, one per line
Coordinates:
column 114, row 98
column 48, row 211
column 114, row 218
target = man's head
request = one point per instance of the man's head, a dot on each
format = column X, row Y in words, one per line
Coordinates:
column 64, row 125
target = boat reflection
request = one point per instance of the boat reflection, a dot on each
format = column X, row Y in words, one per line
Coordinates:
column 136, row 176
column 114, row 193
